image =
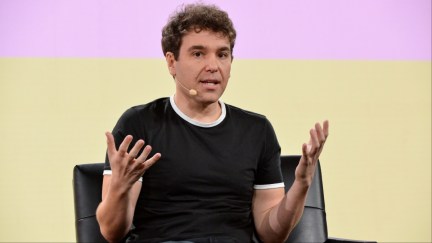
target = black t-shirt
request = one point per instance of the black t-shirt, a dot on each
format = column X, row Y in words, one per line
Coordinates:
column 204, row 182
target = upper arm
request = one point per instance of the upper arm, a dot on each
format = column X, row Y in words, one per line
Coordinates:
column 263, row 201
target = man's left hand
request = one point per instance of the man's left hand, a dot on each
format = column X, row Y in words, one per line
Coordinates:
column 311, row 152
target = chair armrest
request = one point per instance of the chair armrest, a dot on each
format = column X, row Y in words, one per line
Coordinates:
column 340, row 240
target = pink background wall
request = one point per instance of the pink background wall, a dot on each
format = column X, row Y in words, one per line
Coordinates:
column 307, row 29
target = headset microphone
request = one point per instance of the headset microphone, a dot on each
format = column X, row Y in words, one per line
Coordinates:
column 192, row 92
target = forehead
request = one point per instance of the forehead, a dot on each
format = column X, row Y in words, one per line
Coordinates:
column 205, row 38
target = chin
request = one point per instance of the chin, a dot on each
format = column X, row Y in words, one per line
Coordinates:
column 209, row 99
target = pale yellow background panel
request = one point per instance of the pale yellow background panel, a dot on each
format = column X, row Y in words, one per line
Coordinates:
column 376, row 164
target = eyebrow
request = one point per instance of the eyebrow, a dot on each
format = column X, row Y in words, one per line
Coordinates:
column 196, row 47
column 201, row 47
column 225, row 48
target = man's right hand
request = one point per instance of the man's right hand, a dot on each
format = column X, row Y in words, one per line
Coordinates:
column 126, row 167
column 121, row 189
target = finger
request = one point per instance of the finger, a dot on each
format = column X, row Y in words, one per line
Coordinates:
column 326, row 128
column 305, row 150
column 136, row 148
column 142, row 158
column 323, row 134
column 150, row 162
column 314, row 141
column 125, row 145
column 111, row 149
column 320, row 133
column 140, row 161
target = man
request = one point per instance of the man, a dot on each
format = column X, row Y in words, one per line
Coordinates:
column 217, row 175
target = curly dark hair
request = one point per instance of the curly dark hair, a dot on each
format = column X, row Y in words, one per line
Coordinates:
column 197, row 17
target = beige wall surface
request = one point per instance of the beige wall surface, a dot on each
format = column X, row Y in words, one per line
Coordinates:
column 376, row 164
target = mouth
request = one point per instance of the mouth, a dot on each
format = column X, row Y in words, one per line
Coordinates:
column 210, row 82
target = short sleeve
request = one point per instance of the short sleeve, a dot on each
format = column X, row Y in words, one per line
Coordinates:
column 269, row 171
column 128, row 124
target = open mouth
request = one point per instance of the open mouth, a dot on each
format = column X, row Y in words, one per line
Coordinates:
column 210, row 82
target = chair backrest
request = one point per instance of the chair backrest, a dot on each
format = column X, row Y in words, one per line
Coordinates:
column 313, row 223
column 87, row 184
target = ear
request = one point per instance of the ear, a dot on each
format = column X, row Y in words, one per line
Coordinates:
column 170, row 59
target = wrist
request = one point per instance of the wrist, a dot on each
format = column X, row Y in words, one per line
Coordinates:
column 119, row 187
column 302, row 183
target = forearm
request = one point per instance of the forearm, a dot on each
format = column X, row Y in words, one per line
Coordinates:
column 282, row 218
column 115, row 214
column 121, row 190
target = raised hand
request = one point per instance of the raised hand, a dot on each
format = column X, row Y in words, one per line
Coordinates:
column 311, row 152
column 126, row 167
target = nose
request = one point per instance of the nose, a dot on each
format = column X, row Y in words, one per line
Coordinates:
column 212, row 64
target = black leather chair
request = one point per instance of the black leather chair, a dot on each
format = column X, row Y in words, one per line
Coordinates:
column 87, row 184
column 313, row 223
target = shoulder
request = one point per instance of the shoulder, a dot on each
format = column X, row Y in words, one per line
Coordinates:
column 153, row 107
column 245, row 115
column 144, row 113
column 252, row 122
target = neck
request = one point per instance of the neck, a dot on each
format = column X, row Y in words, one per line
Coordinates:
column 198, row 111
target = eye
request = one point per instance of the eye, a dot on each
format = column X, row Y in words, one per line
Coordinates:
column 224, row 55
column 197, row 54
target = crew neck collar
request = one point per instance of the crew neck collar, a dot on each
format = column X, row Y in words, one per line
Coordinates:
column 198, row 123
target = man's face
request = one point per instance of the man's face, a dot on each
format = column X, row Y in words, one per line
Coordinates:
column 203, row 64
